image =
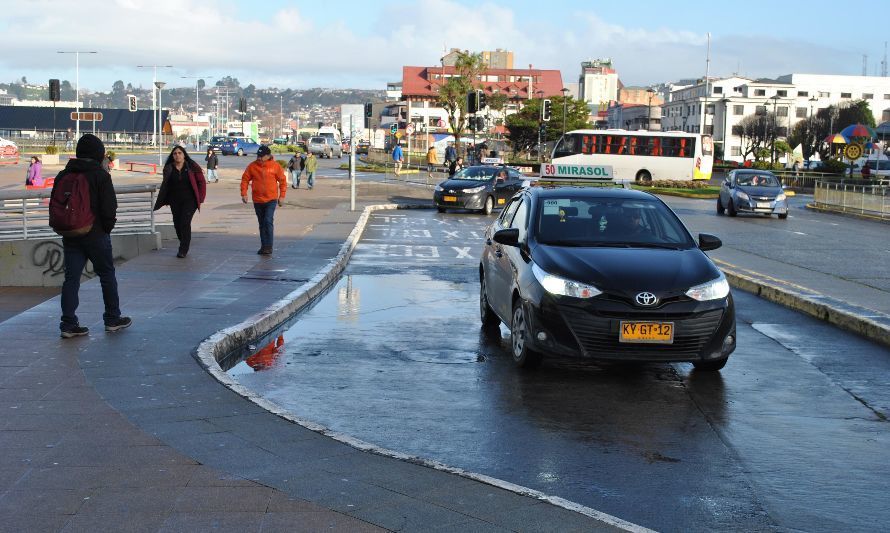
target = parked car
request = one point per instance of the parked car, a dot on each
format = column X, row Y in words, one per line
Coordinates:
column 324, row 147
column 752, row 191
column 239, row 146
column 603, row 273
column 478, row 188
column 216, row 142
column 362, row 147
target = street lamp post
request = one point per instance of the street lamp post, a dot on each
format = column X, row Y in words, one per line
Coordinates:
column 813, row 101
column 651, row 91
column 775, row 99
column 725, row 102
column 541, row 123
column 160, row 85
column 565, row 99
column 77, row 85
column 197, row 105
column 154, row 107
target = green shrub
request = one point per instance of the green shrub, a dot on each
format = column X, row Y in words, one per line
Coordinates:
column 281, row 163
column 52, row 149
column 834, row 166
column 676, row 184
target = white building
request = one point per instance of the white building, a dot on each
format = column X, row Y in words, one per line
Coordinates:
column 723, row 103
column 598, row 83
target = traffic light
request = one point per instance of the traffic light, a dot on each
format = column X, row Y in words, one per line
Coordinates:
column 369, row 110
column 393, row 128
column 543, row 130
column 546, row 110
column 472, row 102
column 131, row 102
column 55, row 93
column 480, row 123
column 480, row 100
column 242, row 105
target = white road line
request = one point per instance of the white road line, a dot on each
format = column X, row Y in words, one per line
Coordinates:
column 799, row 232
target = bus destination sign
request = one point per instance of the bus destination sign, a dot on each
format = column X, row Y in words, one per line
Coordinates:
column 563, row 170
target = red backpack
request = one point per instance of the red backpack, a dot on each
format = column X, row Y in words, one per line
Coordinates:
column 70, row 212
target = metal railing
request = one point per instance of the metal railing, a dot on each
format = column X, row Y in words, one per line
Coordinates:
column 854, row 198
column 25, row 214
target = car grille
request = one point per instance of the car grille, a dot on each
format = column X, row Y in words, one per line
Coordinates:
column 598, row 334
column 762, row 198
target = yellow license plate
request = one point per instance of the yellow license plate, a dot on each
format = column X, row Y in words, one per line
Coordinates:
column 449, row 198
column 646, row 332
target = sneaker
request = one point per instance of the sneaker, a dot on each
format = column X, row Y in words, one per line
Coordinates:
column 118, row 323
column 180, row 254
column 74, row 331
column 266, row 250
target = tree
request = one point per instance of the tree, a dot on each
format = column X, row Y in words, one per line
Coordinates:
column 228, row 81
column 201, row 84
column 523, row 126
column 24, row 80
column 453, row 93
column 754, row 134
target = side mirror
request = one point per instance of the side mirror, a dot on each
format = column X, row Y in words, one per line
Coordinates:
column 507, row 237
column 706, row 242
column 727, row 182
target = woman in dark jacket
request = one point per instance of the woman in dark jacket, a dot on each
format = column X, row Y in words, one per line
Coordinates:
column 212, row 163
column 184, row 190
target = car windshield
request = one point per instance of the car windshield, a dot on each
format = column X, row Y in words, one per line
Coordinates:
column 757, row 180
column 317, row 140
column 613, row 222
column 218, row 139
column 476, row 173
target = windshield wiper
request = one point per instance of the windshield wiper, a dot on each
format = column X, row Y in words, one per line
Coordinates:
column 650, row 245
column 586, row 244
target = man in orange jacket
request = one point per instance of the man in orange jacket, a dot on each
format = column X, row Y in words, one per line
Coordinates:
column 269, row 186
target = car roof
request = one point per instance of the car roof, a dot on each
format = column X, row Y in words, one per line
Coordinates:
column 589, row 192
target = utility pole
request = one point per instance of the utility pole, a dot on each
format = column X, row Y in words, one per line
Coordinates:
column 197, row 105
column 77, row 86
column 154, row 105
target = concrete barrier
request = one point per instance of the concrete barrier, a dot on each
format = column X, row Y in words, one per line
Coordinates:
column 41, row 262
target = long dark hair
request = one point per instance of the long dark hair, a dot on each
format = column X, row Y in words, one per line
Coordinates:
column 189, row 163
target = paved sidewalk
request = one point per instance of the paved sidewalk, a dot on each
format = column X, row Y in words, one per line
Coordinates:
column 126, row 432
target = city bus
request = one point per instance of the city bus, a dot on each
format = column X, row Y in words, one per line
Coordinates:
column 641, row 156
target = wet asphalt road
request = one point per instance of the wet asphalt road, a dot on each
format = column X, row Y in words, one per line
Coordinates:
column 791, row 435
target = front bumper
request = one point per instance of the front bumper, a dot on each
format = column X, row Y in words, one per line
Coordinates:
column 459, row 200
column 703, row 331
column 753, row 205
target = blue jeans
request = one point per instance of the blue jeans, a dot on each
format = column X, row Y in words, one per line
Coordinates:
column 310, row 179
column 265, row 215
column 295, row 177
column 211, row 175
column 95, row 247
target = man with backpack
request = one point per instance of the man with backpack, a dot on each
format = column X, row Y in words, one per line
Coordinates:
column 83, row 210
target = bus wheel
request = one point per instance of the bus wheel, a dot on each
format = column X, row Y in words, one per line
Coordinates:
column 644, row 176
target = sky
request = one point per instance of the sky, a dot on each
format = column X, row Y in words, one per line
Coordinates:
column 363, row 45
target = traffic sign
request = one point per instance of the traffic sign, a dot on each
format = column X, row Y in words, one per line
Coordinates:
column 393, row 128
column 89, row 116
column 853, row 151
column 409, row 129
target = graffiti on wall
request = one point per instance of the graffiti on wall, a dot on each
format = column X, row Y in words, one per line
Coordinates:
column 50, row 256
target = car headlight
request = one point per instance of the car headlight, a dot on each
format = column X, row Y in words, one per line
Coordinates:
column 563, row 287
column 712, row 290
column 742, row 195
column 439, row 188
column 781, row 197
column 474, row 190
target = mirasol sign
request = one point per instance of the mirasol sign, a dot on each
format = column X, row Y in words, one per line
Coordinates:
column 576, row 171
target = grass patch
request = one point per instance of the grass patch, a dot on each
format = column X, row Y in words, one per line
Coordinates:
column 706, row 192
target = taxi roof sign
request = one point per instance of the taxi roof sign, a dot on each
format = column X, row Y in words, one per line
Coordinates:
column 576, row 172
column 492, row 161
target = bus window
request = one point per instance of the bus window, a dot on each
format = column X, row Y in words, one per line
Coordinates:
column 681, row 150
column 608, row 144
column 568, row 145
column 656, row 146
column 622, row 145
column 707, row 145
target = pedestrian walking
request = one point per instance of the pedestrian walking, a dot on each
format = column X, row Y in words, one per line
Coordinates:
column 450, row 154
column 69, row 139
column 866, row 171
column 293, row 168
column 455, row 166
column 796, row 168
column 212, row 163
column 184, row 189
column 397, row 157
column 83, row 210
column 269, row 186
column 432, row 160
column 311, row 166
column 35, row 167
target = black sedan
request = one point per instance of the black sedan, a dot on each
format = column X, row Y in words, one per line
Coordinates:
column 752, row 191
column 479, row 188
column 606, row 274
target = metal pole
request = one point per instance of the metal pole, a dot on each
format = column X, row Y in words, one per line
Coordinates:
column 351, row 165
column 77, row 92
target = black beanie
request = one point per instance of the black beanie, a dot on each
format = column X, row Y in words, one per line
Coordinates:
column 90, row 147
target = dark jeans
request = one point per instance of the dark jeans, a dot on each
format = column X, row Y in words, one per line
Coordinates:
column 95, row 247
column 265, row 215
column 183, row 211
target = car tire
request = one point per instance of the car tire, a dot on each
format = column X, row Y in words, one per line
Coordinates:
column 720, row 208
column 710, row 366
column 489, row 205
column 240, row 152
column 644, row 176
column 489, row 319
column 523, row 356
column 731, row 209
column 783, row 216
column 440, row 209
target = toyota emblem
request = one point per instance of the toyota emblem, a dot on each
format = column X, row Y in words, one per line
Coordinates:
column 646, row 298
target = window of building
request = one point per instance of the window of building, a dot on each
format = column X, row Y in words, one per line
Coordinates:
column 846, row 95
column 709, row 129
column 781, row 111
column 800, row 112
column 782, row 93
column 885, row 116
column 738, row 110
column 868, row 96
column 759, row 92
column 718, row 90
column 760, row 110
column 709, row 109
column 803, row 93
column 887, row 97
column 736, row 130
column 824, row 94
column 735, row 151
column 782, row 131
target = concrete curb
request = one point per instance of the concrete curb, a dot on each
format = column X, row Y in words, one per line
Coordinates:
column 225, row 341
column 867, row 323
column 851, row 214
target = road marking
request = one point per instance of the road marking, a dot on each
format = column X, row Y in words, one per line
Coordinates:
column 462, row 253
column 799, row 232
column 451, row 234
